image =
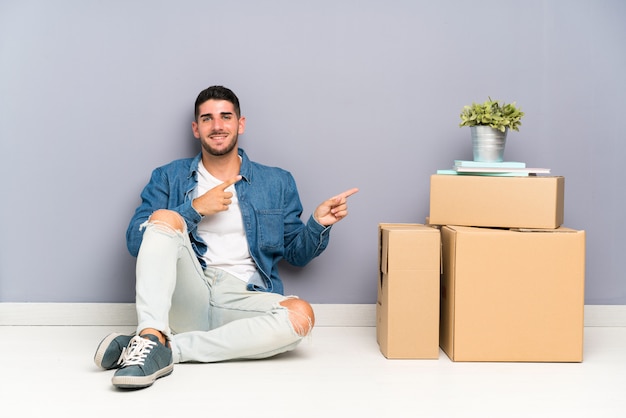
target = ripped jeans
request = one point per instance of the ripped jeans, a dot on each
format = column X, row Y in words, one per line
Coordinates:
column 207, row 315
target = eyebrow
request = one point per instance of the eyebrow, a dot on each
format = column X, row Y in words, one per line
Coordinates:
column 221, row 113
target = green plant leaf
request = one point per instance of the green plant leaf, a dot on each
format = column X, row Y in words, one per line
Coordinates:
column 492, row 113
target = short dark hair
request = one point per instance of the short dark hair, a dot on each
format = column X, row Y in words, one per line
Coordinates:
column 217, row 93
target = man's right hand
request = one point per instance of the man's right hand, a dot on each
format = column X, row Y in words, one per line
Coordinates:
column 215, row 200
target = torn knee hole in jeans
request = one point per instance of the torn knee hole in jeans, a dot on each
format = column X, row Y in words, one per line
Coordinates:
column 160, row 225
column 301, row 322
column 302, row 325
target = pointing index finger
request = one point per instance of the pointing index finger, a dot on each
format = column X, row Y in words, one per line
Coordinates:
column 349, row 193
column 230, row 182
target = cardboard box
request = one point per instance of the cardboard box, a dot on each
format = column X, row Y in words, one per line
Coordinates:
column 510, row 295
column 407, row 312
column 500, row 202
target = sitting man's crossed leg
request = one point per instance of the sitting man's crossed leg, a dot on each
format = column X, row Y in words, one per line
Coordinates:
column 189, row 314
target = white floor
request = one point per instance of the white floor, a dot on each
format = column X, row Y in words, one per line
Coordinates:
column 338, row 372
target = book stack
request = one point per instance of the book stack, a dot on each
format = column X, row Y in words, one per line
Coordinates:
column 503, row 168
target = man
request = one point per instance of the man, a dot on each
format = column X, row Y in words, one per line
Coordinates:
column 208, row 236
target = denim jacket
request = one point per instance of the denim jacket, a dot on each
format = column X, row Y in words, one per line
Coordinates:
column 270, row 208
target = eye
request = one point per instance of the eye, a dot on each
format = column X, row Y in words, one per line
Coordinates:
column 228, row 117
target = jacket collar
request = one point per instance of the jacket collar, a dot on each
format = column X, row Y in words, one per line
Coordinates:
column 246, row 167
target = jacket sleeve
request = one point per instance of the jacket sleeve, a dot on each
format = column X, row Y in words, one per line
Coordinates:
column 157, row 194
column 303, row 241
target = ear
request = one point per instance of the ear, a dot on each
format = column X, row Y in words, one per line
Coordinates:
column 242, row 125
column 194, row 128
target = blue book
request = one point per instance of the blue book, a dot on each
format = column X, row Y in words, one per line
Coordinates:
column 502, row 164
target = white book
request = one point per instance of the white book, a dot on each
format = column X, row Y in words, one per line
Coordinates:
column 501, row 170
column 506, row 174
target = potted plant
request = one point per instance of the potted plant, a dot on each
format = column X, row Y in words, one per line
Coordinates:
column 489, row 123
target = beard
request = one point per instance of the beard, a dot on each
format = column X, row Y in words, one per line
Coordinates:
column 216, row 152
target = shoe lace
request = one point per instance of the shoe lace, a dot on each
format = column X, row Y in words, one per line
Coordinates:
column 136, row 352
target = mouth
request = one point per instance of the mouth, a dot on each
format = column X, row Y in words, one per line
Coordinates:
column 218, row 136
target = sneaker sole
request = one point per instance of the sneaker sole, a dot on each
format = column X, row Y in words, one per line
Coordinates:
column 102, row 348
column 140, row 382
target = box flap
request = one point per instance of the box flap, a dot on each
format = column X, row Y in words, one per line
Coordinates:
column 408, row 247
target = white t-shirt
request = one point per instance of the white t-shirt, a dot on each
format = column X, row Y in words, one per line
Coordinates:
column 224, row 233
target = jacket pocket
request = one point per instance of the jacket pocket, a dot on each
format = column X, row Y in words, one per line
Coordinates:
column 271, row 228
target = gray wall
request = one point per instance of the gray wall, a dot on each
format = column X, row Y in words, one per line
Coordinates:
column 95, row 94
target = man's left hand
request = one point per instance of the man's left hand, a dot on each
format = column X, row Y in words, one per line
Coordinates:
column 334, row 209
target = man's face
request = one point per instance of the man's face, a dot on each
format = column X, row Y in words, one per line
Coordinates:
column 218, row 127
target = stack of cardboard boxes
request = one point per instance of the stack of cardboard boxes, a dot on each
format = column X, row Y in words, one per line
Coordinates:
column 512, row 277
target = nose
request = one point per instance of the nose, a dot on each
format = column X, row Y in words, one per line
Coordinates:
column 218, row 124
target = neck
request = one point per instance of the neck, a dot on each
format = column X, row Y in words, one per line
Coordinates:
column 222, row 167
